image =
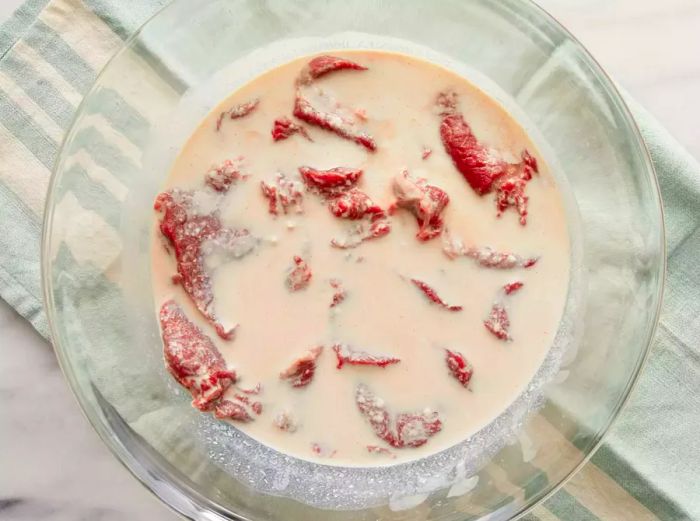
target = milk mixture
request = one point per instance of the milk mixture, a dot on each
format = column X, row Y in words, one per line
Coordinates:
column 359, row 259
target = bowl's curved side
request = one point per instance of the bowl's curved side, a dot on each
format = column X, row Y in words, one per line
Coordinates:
column 661, row 246
column 135, row 455
column 649, row 334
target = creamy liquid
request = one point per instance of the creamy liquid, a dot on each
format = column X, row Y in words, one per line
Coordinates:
column 383, row 313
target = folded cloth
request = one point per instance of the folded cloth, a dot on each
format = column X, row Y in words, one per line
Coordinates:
column 647, row 468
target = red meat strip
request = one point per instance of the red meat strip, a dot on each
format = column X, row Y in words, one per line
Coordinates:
column 348, row 355
column 512, row 287
column 322, row 65
column 331, row 182
column 433, row 296
column 347, row 202
column 354, row 204
column 284, row 128
column 300, row 275
column 329, row 115
column 232, row 410
column 486, row 257
column 192, row 358
column 301, row 372
column 193, row 236
column 482, row 167
column 459, row 367
column 284, row 195
column 478, row 164
column 221, row 177
column 413, row 429
column 237, row 111
column 374, row 410
column 425, row 201
column 510, row 191
column 406, row 430
column 498, row 322
column 238, row 407
column 339, row 292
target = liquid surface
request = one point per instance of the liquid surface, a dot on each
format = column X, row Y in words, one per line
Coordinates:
column 383, row 312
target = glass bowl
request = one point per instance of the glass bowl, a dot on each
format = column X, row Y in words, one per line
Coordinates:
column 177, row 67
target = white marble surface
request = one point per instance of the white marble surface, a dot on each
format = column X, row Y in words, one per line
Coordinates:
column 52, row 465
column 7, row 7
column 651, row 48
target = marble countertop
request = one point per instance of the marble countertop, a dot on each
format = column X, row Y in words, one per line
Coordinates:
column 60, row 470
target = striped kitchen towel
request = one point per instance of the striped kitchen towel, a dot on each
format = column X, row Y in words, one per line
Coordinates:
column 647, row 469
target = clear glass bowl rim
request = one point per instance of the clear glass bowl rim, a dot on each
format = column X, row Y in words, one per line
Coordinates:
column 180, row 496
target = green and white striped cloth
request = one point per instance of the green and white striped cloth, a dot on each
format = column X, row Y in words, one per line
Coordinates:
column 649, row 467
